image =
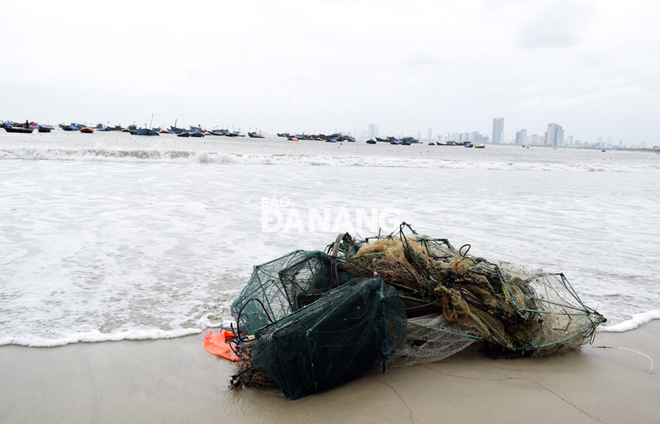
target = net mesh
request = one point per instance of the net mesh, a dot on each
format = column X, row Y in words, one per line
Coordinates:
column 431, row 338
column 333, row 339
column 320, row 319
column 513, row 309
column 282, row 286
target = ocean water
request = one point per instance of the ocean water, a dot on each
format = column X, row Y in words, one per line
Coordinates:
column 109, row 236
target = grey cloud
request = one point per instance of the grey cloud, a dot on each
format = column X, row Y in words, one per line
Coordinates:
column 554, row 24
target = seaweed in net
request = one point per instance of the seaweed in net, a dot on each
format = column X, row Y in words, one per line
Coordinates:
column 512, row 308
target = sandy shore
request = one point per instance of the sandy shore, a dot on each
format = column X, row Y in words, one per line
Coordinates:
column 177, row 381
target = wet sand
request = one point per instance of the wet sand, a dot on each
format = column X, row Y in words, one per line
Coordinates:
column 177, row 381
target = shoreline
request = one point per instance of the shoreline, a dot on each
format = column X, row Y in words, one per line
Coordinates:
column 176, row 380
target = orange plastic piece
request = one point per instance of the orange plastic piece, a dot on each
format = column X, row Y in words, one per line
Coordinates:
column 216, row 344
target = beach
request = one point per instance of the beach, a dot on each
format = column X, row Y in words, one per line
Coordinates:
column 177, row 381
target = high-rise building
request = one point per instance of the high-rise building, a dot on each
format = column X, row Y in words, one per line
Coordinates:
column 498, row 130
column 554, row 136
column 371, row 131
column 475, row 137
column 534, row 140
column 430, row 135
column 521, row 137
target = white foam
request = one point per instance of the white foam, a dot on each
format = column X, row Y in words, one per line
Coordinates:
column 636, row 321
column 203, row 157
column 96, row 336
column 104, row 155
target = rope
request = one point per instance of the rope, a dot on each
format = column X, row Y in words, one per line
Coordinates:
column 237, row 333
column 624, row 348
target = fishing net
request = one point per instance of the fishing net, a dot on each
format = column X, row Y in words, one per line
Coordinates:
column 319, row 319
column 282, row 286
column 431, row 338
column 332, row 340
column 514, row 310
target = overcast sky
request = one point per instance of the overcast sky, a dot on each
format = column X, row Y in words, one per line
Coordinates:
column 324, row 66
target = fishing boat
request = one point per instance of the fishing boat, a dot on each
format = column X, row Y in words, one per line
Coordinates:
column 71, row 127
column 479, row 146
column 12, row 129
column 371, row 141
column 183, row 134
column 44, row 128
column 468, row 145
column 87, row 130
column 151, row 131
column 144, row 131
column 255, row 135
column 177, row 130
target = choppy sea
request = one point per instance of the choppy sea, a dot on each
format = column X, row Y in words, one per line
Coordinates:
column 109, row 236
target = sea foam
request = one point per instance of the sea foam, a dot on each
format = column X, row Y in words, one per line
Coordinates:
column 636, row 321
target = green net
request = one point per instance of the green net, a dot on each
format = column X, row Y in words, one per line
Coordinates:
column 320, row 319
column 283, row 286
column 332, row 340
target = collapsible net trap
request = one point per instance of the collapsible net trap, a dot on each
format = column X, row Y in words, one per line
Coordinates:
column 319, row 319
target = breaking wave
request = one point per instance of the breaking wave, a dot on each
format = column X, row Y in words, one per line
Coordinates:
column 204, row 157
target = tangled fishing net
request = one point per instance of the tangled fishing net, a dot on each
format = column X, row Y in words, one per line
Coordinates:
column 309, row 321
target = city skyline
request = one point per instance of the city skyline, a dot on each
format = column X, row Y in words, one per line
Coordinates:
column 554, row 135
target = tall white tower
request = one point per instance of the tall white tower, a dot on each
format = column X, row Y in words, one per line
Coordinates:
column 498, row 130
